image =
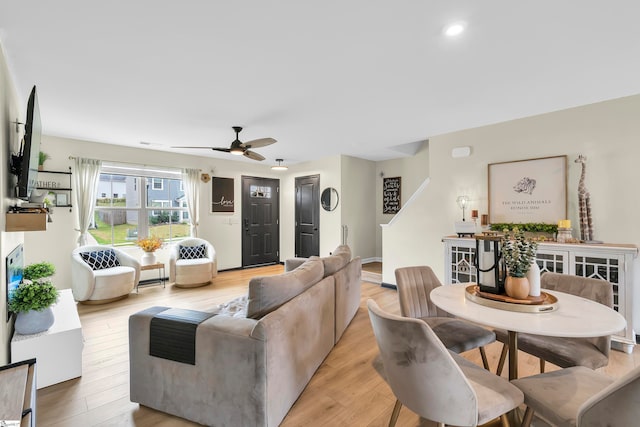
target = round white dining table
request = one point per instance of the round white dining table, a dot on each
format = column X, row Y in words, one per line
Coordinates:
column 574, row 316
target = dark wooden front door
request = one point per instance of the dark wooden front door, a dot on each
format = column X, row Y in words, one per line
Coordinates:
column 260, row 221
column 307, row 216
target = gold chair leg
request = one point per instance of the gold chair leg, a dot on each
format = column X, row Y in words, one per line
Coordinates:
column 395, row 413
column 528, row 416
column 503, row 357
column 541, row 365
column 504, row 418
column 485, row 362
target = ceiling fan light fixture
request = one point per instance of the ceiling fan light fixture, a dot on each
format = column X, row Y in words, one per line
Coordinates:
column 237, row 151
column 279, row 166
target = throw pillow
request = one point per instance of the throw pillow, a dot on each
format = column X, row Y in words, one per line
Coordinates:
column 99, row 260
column 193, row 252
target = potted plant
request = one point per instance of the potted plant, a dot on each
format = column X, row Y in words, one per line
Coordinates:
column 149, row 245
column 32, row 301
column 518, row 253
column 39, row 271
column 42, row 157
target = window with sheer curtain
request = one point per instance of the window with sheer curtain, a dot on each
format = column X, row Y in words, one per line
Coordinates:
column 139, row 201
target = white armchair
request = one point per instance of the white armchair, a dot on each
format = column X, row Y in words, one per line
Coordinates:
column 99, row 276
column 192, row 263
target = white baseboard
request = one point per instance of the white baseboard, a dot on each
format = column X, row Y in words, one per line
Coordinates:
column 374, row 259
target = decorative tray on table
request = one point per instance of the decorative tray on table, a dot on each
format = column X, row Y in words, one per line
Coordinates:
column 542, row 304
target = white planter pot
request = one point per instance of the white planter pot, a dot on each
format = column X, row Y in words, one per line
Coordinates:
column 33, row 322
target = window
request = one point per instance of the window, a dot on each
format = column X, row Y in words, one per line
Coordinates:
column 157, row 183
column 141, row 206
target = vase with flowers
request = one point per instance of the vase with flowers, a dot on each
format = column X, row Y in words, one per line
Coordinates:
column 518, row 253
column 149, row 245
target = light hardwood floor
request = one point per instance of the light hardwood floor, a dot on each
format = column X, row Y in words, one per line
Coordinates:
column 345, row 391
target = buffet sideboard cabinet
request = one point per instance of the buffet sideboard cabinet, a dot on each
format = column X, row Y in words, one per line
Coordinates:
column 611, row 262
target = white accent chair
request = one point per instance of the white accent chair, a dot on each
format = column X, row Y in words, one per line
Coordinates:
column 105, row 285
column 191, row 273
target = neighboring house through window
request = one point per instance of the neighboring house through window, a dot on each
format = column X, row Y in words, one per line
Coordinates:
column 145, row 202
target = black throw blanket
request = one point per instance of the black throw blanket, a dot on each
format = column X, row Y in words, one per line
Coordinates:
column 173, row 334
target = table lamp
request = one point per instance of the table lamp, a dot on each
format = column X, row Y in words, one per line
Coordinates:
column 490, row 268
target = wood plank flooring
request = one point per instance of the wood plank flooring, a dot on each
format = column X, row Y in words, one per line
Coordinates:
column 345, row 391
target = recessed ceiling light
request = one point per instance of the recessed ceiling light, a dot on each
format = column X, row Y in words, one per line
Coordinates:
column 454, row 30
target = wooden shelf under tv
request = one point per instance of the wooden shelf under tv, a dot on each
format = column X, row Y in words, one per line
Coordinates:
column 26, row 221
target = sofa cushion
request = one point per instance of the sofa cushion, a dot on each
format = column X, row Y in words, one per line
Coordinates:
column 193, row 252
column 337, row 260
column 267, row 293
column 99, row 260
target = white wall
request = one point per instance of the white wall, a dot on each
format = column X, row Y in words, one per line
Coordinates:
column 413, row 171
column 358, row 201
column 607, row 133
column 9, row 142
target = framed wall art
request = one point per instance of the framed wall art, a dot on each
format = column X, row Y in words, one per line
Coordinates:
column 222, row 195
column 391, row 192
column 532, row 190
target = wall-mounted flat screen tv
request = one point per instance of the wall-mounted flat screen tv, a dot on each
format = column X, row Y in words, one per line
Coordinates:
column 30, row 149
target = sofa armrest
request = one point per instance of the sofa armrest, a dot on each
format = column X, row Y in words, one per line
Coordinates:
column 293, row 263
column 219, row 389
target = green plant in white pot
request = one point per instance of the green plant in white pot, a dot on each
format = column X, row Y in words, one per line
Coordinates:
column 32, row 299
column 518, row 253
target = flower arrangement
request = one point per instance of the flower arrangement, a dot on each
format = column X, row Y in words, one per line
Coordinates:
column 150, row 244
column 518, row 252
column 32, row 296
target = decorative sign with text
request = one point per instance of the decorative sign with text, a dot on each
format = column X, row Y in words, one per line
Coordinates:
column 391, row 195
column 222, row 194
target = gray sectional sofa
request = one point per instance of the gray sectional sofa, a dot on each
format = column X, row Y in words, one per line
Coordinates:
column 255, row 356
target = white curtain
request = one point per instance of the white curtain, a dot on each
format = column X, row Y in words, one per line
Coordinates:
column 86, row 178
column 191, row 185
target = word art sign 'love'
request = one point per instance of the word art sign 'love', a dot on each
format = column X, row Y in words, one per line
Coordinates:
column 222, row 195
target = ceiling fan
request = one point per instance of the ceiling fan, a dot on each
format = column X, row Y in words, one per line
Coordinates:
column 243, row 148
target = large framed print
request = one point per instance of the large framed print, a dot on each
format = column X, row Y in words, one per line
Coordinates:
column 525, row 191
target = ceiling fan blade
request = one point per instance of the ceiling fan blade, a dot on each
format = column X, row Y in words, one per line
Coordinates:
column 253, row 155
column 224, row 150
column 257, row 143
column 208, row 148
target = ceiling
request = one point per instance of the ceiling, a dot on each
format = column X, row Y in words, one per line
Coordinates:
column 361, row 77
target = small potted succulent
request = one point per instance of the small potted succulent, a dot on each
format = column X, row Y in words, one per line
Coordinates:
column 33, row 298
column 518, row 253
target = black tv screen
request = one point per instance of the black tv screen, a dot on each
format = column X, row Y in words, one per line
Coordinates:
column 28, row 176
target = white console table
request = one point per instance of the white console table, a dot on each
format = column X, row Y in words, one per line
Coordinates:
column 58, row 351
column 610, row 262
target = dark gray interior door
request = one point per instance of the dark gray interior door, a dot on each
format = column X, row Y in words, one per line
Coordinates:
column 307, row 216
column 260, row 221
